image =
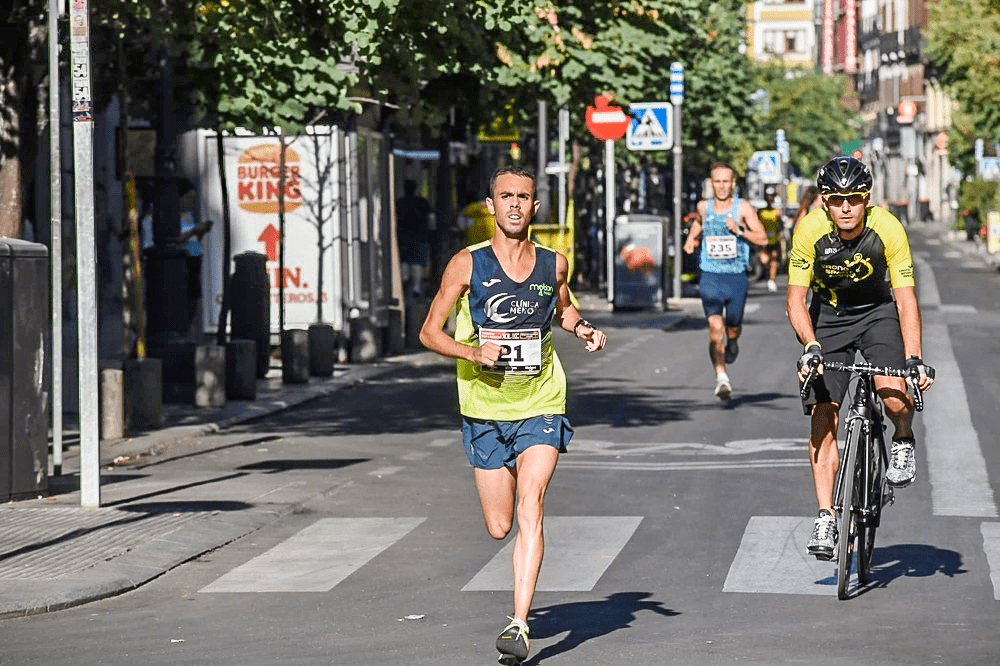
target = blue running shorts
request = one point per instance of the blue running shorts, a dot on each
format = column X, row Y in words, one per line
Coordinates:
column 494, row 444
column 724, row 292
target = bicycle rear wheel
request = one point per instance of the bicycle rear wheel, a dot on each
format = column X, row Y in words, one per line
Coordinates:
column 847, row 524
column 875, row 492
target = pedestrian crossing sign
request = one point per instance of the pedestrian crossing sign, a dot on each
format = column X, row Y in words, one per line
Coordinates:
column 767, row 164
column 990, row 168
column 651, row 127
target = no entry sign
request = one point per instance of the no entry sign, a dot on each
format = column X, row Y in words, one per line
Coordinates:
column 606, row 121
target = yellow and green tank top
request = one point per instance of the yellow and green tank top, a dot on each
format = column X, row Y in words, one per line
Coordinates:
column 494, row 301
column 856, row 273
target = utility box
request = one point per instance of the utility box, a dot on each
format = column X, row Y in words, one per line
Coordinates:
column 24, row 402
column 639, row 261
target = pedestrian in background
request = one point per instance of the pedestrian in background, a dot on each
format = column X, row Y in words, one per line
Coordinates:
column 414, row 219
column 810, row 201
column 729, row 224
column 511, row 383
column 770, row 257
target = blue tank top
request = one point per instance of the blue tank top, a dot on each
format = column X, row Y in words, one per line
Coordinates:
column 721, row 250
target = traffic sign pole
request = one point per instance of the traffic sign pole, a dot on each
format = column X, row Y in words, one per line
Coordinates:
column 677, row 98
column 609, row 214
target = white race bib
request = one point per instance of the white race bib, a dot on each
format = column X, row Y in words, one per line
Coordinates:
column 522, row 350
column 721, row 247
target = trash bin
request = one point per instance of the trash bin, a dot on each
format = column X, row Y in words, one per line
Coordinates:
column 250, row 305
column 639, row 261
column 24, row 335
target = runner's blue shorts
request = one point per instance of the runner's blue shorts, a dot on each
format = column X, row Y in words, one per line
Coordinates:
column 724, row 293
column 494, row 444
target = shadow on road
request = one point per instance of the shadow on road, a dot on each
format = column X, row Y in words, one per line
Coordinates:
column 586, row 620
column 914, row 561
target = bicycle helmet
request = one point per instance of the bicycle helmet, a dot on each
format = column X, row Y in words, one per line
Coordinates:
column 844, row 174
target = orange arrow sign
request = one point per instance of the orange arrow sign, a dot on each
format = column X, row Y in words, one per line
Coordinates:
column 270, row 237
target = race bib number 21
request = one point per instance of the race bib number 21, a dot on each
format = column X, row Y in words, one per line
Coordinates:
column 522, row 350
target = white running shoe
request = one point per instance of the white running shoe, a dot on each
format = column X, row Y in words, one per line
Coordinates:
column 772, row 285
column 723, row 389
column 823, row 541
column 902, row 463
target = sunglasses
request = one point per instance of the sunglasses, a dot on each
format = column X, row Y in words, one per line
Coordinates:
column 853, row 198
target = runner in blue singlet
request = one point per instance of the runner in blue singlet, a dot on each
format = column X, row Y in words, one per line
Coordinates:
column 728, row 224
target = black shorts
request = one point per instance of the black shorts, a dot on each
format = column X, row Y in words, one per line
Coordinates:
column 875, row 333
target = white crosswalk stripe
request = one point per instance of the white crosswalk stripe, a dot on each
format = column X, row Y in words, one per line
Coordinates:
column 772, row 559
column 578, row 550
column 317, row 557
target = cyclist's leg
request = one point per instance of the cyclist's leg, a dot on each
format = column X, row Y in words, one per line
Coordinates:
column 824, row 457
column 882, row 344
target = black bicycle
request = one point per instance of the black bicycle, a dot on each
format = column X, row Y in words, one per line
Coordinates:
column 861, row 489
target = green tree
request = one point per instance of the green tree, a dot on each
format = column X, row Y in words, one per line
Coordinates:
column 812, row 110
column 964, row 41
column 572, row 51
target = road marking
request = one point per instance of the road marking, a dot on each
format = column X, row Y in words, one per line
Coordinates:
column 957, row 308
column 441, row 443
column 735, row 447
column 414, row 456
column 668, row 466
column 991, row 545
column 578, row 550
column 772, row 559
column 960, row 485
column 386, row 471
column 317, row 557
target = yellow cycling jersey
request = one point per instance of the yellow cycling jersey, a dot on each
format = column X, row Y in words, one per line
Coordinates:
column 856, row 273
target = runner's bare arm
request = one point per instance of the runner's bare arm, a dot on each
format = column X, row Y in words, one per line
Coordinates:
column 694, row 235
column 753, row 230
column 454, row 285
column 568, row 316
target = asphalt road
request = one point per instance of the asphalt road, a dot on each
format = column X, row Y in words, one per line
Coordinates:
column 676, row 525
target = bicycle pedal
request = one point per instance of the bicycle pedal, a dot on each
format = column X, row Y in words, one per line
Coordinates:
column 888, row 498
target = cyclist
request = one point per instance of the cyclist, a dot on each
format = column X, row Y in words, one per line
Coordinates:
column 729, row 225
column 511, row 384
column 855, row 259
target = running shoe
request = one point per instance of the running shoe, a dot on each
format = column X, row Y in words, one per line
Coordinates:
column 723, row 389
column 732, row 350
column 772, row 285
column 513, row 641
column 823, row 541
column 902, row 463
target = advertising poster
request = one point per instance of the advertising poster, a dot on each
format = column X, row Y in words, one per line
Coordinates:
column 311, row 184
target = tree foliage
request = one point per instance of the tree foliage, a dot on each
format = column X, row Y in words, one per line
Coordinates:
column 570, row 52
column 964, row 41
column 812, row 110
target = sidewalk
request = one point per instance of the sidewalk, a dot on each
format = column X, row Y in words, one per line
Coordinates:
column 55, row 554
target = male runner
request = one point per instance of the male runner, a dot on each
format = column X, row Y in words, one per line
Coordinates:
column 511, row 384
column 856, row 260
column 729, row 224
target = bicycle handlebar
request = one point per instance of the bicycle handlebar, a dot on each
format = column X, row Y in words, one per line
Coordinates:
column 864, row 369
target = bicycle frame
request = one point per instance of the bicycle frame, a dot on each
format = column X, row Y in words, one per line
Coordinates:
column 866, row 412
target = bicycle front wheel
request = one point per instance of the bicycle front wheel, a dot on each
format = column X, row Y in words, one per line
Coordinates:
column 874, row 492
column 847, row 524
